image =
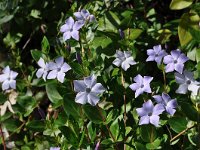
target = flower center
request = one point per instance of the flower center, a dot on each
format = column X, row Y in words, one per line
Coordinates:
column 150, row 114
column 175, row 61
column 58, row 69
column 71, row 30
column 142, row 85
column 156, row 55
column 188, row 82
column 88, row 90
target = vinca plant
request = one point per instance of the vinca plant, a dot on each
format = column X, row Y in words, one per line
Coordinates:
column 99, row 74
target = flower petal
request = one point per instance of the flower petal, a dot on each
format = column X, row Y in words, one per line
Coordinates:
column 41, row 63
column 59, row 61
column 179, row 68
column 134, row 86
column 65, row 67
column 144, row 120
column 61, row 76
column 12, row 84
column 117, row 62
column 66, row 35
column 81, row 98
column 75, row 35
column 172, row 103
column 194, row 89
column 158, row 109
column 170, row 110
column 6, row 70
column 64, row 28
column 13, row 74
column 78, row 25
column 180, row 78
column 52, row 74
column 142, row 112
column 98, row 88
column 182, row 89
column 169, row 67
column 4, row 77
column 125, row 65
column 175, row 54
column 69, row 22
column 93, row 99
column 154, row 119
column 148, row 106
column 158, row 98
column 168, row 59
column 79, row 86
column 5, row 85
column 138, row 92
column 138, row 79
column 90, row 81
column 182, row 58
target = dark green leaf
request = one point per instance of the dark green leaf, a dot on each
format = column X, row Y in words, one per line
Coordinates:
column 53, row 93
column 178, row 124
column 148, row 133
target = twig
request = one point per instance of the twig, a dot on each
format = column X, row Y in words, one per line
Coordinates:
column 182, row 132
column 3, row 140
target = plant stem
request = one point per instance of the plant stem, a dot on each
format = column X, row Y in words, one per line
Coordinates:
column 110, row 133
column 3, row 140
column 124, row 97
column 164, row 79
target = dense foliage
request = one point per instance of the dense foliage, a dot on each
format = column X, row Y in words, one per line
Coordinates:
column 99, row 74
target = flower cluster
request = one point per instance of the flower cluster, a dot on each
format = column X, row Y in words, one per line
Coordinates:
column 7, row 78
column 53, row 70
column 71, row 27
column 149, row 114
column 175, row 62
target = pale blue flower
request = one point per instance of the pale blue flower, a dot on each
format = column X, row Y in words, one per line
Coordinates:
column 88, row 90
column 7, row 78
column 187, row 82
column 141, row 85
column 175, row 61
column 124, row 59
column 149, row 114
column 43, row 71
column 83, row 16
column 71, row 29
column 156, row 54
column 58, row 69
column 168, row 103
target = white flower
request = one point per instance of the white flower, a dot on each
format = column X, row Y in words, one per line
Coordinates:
column 58, row 69
column 187, row 82
column 124, row 59
column 43, row 71
column 8, row 78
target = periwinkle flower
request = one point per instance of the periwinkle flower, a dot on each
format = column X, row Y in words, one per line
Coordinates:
column 71, row 29
column 8, row 78
column 187, row 82
column 141, row 85
column 58, row 69
column 168, row 103
column 175, row 61
column 54, row 148
column 124, row 59
column 88, row 90
column 149, row 113
column 83, row 16
column 43, row 71
column 156, row 54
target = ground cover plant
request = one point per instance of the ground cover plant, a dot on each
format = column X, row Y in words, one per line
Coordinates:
column 99, row 74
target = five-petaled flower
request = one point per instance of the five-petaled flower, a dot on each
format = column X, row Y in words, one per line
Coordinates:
column 168, row 103
column 83, row 16
column 175, row 61
column 156, row 54
column 43, row 71
column 58, row 69
column 88, row 90
column 8, row 78
column 141, row 85
column 150, row 113
column 187, row 82
column 71, row 29
column 124, row 59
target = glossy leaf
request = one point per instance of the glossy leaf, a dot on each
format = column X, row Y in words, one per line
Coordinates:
column 180, row 4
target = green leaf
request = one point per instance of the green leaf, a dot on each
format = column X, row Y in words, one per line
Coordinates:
column 36, row 54
column 195, row 34
column 132, row 34
column 6, row 19
column 178, row 124
column 94, row 113
column 35, row 14
column 45, row 45
column 36, row 125
column 77, row 68
column 180, row 4
column 183, row 30
column 70, row 107
column 153, row 145
column 102, row 42
column 70, row 135
column 53, row 93
column 148, row 133
column 12, row 124
column 198, row 55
